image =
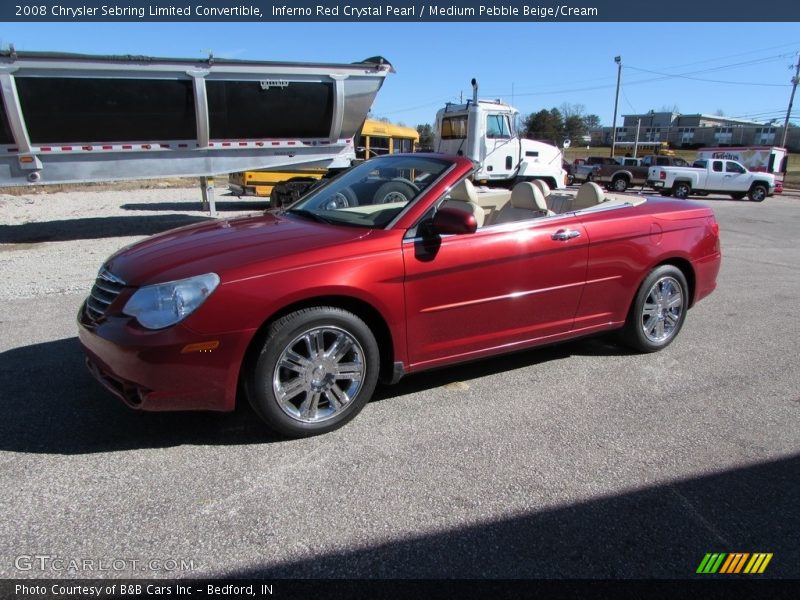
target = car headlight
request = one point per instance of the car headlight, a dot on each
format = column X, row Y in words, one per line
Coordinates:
column 164, row 304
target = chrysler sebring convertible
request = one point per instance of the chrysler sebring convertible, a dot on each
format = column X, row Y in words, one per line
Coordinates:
column 398, row 265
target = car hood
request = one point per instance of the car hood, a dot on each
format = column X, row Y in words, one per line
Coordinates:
column 224, row 246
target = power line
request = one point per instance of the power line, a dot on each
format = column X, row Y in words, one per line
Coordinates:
column 662, row 76
column 624, row 95
column 681, row 76
column 795, row 81
column 707, row 60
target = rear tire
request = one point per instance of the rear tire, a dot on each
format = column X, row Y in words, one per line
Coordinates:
column 658, row 311
column 620, row 184
column 394, row 191
column 317, row 369
column 681, row 190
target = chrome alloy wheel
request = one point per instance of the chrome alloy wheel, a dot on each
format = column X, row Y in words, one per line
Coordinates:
column 318, row 374
column 662, row 310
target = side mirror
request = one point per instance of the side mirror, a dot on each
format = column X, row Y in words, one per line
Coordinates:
column 449, row 220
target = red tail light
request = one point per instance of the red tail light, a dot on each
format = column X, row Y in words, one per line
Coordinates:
column 662, row 175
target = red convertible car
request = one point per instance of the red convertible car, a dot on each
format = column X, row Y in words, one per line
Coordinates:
column 396, row 266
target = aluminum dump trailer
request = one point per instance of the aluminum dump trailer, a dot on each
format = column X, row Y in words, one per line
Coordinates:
column 68, row 118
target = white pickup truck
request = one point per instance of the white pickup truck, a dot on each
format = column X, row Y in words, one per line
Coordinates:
column 712, row 177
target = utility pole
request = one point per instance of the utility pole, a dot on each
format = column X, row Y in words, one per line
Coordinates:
column 795, row 81
column 618, row 60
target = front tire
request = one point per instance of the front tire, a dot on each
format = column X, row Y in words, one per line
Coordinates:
column 757, row 193
column 658, row 310
column 317, row 369
column 341, row 199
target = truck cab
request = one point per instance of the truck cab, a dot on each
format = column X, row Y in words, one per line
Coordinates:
column 489, row 132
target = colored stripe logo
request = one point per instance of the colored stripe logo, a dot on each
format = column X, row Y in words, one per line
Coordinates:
column 734, row 563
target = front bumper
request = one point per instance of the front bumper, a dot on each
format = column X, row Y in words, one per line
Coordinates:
column 169, row 369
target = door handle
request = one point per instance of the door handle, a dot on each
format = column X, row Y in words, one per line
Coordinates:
column 565, row 234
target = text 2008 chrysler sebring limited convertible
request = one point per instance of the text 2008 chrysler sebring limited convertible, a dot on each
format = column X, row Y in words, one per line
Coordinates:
column 396, row 266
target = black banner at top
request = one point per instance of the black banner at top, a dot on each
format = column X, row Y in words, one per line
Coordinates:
column 564, row 11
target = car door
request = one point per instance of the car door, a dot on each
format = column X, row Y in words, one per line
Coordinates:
column 495, row 289
column 715, row 178
column 736, row 177
column 501, row 152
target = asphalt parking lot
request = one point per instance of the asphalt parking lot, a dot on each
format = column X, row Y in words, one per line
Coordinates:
column 580, row 460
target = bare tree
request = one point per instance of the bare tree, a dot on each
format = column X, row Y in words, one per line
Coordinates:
column 568, row 110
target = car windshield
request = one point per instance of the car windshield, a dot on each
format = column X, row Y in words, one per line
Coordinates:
column 372, row 193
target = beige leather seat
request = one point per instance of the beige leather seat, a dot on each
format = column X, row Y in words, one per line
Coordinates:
column 589, row 194
column 527, row 202
column 463, row 197
column 560, row 203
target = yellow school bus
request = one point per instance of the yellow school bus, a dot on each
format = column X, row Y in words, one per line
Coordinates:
column 376, row 138
column 643, row 148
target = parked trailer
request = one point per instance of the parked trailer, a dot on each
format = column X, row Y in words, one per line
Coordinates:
column 760, row 159
column 71, row 118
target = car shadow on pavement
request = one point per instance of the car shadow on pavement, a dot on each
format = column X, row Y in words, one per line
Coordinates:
column 52, row 405
column 659, row 531
column 595, row 346
column 237, row 205
column 90, row 228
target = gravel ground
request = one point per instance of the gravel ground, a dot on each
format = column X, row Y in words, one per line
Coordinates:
column 580, row 460
column 37, row 258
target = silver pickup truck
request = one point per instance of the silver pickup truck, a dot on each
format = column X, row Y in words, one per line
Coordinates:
column 584, row 169
column 712, row 177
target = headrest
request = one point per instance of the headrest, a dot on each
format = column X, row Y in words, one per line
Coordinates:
column 543, row 187
column 528, row 196
column 589, row 194
column 464, row 191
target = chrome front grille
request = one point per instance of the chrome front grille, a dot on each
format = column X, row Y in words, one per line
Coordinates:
column 105, row 290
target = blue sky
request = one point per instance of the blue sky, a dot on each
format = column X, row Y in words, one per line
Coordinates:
column 741, row 69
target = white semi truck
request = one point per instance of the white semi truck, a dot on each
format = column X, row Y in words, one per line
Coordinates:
column 489, row 132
